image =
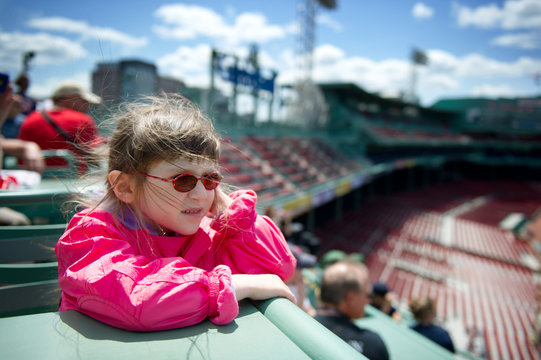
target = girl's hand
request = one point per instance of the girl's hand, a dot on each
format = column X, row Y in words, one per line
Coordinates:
column 260, row 287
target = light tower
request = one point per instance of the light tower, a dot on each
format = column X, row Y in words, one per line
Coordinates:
column 308, row 107
column 418, row 57
column 306, row 15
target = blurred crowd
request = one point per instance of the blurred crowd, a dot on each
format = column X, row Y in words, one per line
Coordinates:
column 334, row 288
column 39, row 137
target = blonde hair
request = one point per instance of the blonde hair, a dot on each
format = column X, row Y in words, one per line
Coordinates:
column 422, row 309
column 155, row 129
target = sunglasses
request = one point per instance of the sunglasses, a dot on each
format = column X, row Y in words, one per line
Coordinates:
column 186, row 182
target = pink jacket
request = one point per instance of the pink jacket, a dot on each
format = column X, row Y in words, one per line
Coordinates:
column 133, row 280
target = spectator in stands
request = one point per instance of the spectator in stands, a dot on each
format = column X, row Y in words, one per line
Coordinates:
column 335, row 255
column 28, row 104
column 345, row 291
column 424, row 311
column 382, row 299
column 166, row 247
column 65, row 126
column 281, row 219
column 28, row 151
column 297, row 284
column 331, row 257
column 14, row 119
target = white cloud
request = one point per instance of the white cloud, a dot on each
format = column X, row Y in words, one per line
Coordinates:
column 446, row 75
column 479, row 66
column 522, row 14
column 191, row 21
column 421, row 11
column 86, row 31
column 49, row 49
column 188, row 22
column 515, row 14
column 250, row 27
column 527, row 41
column 441, row 61
column 324, row 19
column 327, row 53
column 487, row 16
column 332, row 65
column 191, row 65
column 450, row 76
column 45, row 89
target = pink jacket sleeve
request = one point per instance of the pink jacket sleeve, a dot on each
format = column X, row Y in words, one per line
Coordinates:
column 250, row 243
column 102, row 275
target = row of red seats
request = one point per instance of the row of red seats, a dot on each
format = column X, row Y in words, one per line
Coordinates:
column 478, row 279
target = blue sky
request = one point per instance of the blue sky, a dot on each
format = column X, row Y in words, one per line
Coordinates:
column 474, row 48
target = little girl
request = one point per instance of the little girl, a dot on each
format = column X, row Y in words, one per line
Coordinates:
column 166, row 247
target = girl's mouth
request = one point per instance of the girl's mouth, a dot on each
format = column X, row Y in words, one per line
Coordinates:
column 191, row 211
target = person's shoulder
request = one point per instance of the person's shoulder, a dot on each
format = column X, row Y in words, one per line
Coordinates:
column 66, row 112
column 439, row 330
column 33, row 116
column 372, row 335
column 340, row 323
column 430, row 329
column 31, row 126
column 329, row 321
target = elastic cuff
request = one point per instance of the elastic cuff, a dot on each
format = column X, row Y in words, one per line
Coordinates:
column 224, row 306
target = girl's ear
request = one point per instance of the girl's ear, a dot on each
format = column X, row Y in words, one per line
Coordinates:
column 123, row 186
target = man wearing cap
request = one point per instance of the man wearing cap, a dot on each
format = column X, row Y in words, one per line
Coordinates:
column 65, row 126
column 382, row 299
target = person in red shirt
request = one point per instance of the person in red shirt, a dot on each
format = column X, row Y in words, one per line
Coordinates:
column 68, row 127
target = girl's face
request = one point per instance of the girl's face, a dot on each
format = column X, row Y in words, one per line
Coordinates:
column 164, row 206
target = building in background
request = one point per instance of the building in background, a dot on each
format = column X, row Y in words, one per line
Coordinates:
column 128, row 80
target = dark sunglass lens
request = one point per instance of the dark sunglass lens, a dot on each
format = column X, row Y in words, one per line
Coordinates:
column 212, row 181
column 185, row 183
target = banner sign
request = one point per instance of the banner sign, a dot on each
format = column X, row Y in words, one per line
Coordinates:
column 323, row 197
column 357, row 181
column 299, row 204
column 342, row 187
column 238, row 76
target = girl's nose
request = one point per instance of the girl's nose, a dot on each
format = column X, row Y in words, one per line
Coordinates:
column 198, row 191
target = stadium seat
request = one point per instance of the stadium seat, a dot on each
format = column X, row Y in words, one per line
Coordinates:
column 27, row 273
column 28, row 269
column 32, row 243
column 29, row 298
